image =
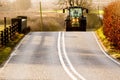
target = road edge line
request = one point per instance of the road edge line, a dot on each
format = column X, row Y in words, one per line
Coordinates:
column 68, row 60
column 99, row 44
column 61, row 59
column 12, row 54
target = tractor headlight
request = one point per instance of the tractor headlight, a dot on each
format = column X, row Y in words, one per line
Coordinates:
column 75, row 20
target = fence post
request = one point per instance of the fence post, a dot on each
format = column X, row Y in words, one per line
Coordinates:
column 17, row 27
column 4, row 22
column 7, row 35
column 14, row 31
column 2, row 38
column 10, row 32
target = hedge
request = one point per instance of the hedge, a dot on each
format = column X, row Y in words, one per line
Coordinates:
column 111, row 21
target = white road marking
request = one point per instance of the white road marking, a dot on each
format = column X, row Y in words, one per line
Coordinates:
column 104, row 51
column 12, row 54
column 22, row 41
column 70, row 64
column 62, row 61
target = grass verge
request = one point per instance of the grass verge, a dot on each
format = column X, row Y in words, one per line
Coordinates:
column 2, row 27
column 108, row 45
column 100, row 12
column 6, row 50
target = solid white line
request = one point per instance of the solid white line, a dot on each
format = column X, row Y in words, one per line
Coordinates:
column 104, row 51
column 62, row 61
column 70, row 64
column 12, row 54
column 22, row 41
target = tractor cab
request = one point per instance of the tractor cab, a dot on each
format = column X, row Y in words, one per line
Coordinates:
column 76, row 21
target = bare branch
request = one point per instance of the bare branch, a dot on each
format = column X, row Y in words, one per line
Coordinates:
column 68, row 3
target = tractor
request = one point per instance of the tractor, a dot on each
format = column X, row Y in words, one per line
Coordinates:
column 76, row 19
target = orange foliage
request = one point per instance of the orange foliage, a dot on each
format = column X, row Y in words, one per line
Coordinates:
column 111, row 22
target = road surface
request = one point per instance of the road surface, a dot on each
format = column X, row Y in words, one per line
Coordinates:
column 59, row 56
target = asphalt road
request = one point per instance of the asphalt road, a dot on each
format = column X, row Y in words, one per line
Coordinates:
column 88, row 59
column 59, row 56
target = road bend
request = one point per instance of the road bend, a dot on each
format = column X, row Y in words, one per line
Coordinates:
column 36, row 58
column 88, row 59
column 59, row 56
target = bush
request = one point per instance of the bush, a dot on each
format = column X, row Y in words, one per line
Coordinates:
column 102, row 37
column 111, row 23
column 110, row 49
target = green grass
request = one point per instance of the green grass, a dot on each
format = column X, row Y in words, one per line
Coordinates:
column 110, row 49
column 101, row 12
column 6, row 51
column 4, row 54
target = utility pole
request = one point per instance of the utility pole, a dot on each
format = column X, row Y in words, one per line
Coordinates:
column 41, row 19
column 4, row 22
column 99, row 3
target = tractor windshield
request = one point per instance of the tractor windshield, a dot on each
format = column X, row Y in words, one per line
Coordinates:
column 75, row 12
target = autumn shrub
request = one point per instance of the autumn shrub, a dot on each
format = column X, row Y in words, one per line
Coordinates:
column 115, row 53
column 111, row 23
